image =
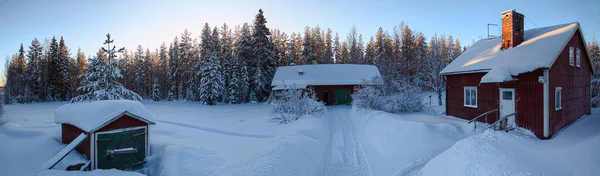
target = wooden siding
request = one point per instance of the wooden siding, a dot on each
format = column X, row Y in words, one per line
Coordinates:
column 123, row 122
column 69, row 133
column 321, row 90
column 528, row 98
column 575, row 84
column 574, row 81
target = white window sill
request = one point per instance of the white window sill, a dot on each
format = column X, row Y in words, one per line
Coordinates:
column 558, row 109
column 469, row 106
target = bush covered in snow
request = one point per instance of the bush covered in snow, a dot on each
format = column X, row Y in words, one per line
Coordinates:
column 289, row 105
column 394, row 96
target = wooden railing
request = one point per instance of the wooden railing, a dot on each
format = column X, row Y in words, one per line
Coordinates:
column 495, row 124
column 485, row 114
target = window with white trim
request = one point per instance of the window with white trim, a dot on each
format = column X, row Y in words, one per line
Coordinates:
column 571, row 56
column 558, row 98
column 470, row 96
column 578, row 57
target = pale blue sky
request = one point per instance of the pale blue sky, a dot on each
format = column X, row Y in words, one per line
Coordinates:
column 150, row 22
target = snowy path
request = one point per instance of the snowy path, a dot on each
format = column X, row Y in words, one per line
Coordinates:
column 344, row 155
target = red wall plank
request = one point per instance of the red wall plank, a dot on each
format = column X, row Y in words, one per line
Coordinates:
column 575, row 84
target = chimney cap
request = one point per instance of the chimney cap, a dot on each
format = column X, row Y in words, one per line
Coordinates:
column 511, row 10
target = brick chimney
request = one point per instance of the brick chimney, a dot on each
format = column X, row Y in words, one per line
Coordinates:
column 512, row 28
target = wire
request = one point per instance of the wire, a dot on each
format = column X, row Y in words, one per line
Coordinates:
column 532, row 22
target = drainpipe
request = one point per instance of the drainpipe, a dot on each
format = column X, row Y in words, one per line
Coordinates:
column 546, row 103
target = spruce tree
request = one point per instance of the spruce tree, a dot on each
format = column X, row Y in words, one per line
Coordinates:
column 226, row 60
column 211, row 85
column 100, row 81
column 156, row 90
column 262, row 50
column 34, row 69
column 243, row 54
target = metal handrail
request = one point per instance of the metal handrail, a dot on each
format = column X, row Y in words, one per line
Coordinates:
column 501, row 119
column 482, row 115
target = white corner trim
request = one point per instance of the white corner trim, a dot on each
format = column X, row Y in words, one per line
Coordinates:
column 92, row 153
column 546, row 103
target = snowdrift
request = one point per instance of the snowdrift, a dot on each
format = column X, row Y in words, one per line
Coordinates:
column 572, row 152
column 402, row 144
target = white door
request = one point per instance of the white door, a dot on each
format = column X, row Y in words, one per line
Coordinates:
column 507, row 105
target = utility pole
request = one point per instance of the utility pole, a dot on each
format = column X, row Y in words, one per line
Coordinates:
column 488, row 28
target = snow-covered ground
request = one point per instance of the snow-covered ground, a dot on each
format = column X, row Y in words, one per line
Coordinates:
column 194, row 139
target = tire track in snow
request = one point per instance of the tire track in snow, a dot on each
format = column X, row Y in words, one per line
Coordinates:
column 353, row 160
column 218, row 131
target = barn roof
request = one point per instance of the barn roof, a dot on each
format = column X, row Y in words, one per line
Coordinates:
column 540, row 48
column 91, row 116
column 323, row 74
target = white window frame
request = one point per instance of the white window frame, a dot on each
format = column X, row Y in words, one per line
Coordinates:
column 467, row 100
column 571, row 56
column 578, row 57
column 558, row 98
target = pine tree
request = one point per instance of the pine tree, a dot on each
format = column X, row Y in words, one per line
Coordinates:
column 328, row 57
column 163, row 70
column 100, row 81
column 336, row 49
column 140, row 72
column 262, row 50
column 354, row 50
column 308, row 52
column 370, row 52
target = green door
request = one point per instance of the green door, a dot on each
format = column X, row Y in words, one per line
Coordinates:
column 342, row 97
column 124, row 150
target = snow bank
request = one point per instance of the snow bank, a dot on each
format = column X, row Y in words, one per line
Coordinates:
column 324, row 74
column 539, row 49
column 89, row 116
column 401, row 144
column 572, row 152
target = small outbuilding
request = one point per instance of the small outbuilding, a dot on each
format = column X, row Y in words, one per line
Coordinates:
column 332, row 83
column 537, row 79
column 116, row 130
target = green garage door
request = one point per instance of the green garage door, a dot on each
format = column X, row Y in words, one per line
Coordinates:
column 342, row 97
column 124, row 150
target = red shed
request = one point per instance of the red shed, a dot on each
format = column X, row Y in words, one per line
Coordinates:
column 117, row 132
column 333, row 83
column 543, row 75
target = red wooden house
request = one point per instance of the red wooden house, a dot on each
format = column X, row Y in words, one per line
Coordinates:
column 332, row 83
column 542, row 75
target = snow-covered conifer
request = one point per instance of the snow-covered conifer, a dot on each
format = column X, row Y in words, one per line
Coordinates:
column 100, row 81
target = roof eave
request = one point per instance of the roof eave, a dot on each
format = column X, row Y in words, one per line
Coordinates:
column 119, row 116
column 465, row 72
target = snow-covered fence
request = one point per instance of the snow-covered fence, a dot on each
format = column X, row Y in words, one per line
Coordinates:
column 394, row 96
column 292, row 104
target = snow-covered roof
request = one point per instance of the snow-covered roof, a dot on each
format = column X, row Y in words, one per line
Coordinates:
column 91, row 116
column 324, row 74
column 540, row 48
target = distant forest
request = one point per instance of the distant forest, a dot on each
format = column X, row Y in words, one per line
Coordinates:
column 228, row 65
